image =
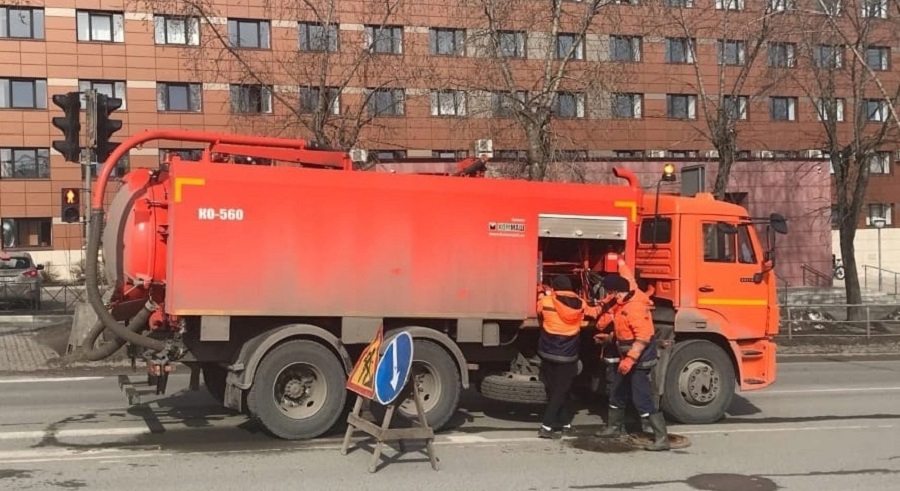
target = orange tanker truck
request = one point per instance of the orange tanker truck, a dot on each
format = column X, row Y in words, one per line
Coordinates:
column 271, row 279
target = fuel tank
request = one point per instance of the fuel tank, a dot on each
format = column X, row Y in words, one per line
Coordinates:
column 135, row 234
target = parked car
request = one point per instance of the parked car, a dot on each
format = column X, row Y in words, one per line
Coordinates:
column 20, row 279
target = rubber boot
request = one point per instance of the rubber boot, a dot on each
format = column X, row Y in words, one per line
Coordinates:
column 615, row 426
column 660, row 435
column 646, row 427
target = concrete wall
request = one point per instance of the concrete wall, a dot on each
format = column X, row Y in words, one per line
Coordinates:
column 866, row 246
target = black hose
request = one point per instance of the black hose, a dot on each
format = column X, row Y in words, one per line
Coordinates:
column 138, row 322
column 94, row 298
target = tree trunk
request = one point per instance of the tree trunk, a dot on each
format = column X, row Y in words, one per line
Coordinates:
column 851, row 279
column 726, row 160
column 538, row 153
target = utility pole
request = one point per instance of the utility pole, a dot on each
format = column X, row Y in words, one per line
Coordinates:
column 87, row 157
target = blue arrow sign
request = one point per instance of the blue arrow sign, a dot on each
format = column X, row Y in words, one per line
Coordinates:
column 393, row 368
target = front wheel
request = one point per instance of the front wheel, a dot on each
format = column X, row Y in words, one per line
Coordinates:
column 438, row 385
column 298, row 390
column 699, row 383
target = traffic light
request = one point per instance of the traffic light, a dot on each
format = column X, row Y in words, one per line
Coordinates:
column 106, row 127
column 70, row 147
column 71, row 205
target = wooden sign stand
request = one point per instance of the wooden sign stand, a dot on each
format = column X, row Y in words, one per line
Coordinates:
column 385, row 433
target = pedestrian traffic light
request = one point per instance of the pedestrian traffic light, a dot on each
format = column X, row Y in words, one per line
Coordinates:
column 70, row 147
column 106, row 127
column 71, row 205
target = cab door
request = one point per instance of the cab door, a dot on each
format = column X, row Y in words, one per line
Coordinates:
column 725, row 274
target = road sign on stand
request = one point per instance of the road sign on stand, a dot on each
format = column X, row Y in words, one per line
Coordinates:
column 393, row 368
column 362, row 377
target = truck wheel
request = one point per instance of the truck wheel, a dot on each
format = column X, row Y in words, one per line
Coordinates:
column 298, row 390
column 214, row 376
column 511, row 387
column 699, row 382
column 440, row 386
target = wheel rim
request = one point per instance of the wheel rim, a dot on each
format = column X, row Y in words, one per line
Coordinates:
column 300, row 390
column 427, row 383
column 699, row 383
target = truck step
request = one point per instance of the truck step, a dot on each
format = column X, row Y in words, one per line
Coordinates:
column 753, row 381
column 134, row 390
column 751, row 353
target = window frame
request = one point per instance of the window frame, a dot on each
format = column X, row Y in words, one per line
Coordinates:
column 579, row 103
column 38, row 90
column 457, row 98
column 458, row 37
column 41, row 161
column 33, row 14
column 562, row 50
column 309, row 99
column 191, row 88
column 116, row 85
column 116, row 25
column 266, row 100
column 44, row 227
column 635, row 103
column 326, row 42
column 791, row 109
column 161, row 28
column 263, row 33
column 397, row 106
column 690, row 106
column 374, row 35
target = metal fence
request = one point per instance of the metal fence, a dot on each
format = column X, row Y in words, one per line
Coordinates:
column 833, row 320
column 23, row 299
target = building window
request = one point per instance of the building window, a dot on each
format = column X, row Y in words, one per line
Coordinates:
column 192, row 154
column 386, row 102
column 505, row 104
column 309, row 100
column 178, row 97
column 176, row 30
column 448, row 103
column 683, row 154
column 572, row 155
column 247, row 33
column 568, row 105
column 876, row 110
column 386, row 40
column 21, row 23
column 628, row 154
column 448, row 154
column 679, row 50
column 27, row 232
column 731, row 52
column 878, row 58
column 625, row 48
column 829, row 56
column 449, row 42
column 627, row 106
column 511, row 155
column 783, row 108
column 101, row 26
column 108, row 88
column 680, row 3
column 512, row 44
column 250, row 99
column 736, row 107
column 829, row 7
column 318, row 37
column 386, row 155
column 781, row 5
column 681, row 106
column 569, row 46
column 874, row 9
column 880, row 210
column 782, row 55
column 23, row 93
column 830, row 109
column 24, row 163
column 880, row 163
column 729, row 4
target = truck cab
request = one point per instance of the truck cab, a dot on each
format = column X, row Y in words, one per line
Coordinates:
column 714, row 288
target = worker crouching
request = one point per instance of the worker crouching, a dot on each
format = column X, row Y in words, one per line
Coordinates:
column 561, row 312
column 629, row 320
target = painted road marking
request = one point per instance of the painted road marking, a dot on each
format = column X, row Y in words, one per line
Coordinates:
column 829, row 390
column 83, row 433
column 46, row 379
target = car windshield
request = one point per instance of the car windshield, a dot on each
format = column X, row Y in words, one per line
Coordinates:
column 15, row 263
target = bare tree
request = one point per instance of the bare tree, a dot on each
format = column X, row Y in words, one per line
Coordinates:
column 530, row 50
column 855, row 116
column 310, row 75
column 741, row 32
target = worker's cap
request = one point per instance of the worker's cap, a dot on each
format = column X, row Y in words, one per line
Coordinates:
column 561, row 282
column 616, row 283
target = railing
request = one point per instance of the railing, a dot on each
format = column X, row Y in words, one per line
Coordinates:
column 880, row 273
column 17, row 299
column 830, row 320
column 821, row 279
column 781, row 286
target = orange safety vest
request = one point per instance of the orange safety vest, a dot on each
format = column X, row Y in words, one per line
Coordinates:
column 561, row 327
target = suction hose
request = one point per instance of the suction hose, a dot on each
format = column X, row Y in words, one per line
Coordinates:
column 125, row 334
column 138, row 322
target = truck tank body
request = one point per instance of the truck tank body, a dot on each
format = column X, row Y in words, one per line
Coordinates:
column 283, row 241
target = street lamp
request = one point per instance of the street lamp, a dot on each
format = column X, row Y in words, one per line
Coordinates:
column 879, row 223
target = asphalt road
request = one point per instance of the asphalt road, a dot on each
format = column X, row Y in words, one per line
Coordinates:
column 825, row 425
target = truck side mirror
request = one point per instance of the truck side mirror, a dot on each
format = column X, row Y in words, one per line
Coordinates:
column 757, row 278
column 779, row 223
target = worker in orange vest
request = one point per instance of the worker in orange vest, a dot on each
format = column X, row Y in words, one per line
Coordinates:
column 628, row 319
column 561, row 312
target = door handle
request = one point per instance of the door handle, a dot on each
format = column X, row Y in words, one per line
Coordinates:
column 706, row 289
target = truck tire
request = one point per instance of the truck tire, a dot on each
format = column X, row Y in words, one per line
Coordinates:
column 509, row 388
column 699, row 383
column 214, row 376
column 298, row 390
column 440, row 386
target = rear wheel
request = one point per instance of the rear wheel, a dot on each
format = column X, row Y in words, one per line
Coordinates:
column 700, row 383
column 298, row 390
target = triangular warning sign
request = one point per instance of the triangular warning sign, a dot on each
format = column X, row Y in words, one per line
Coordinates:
column 362, row 377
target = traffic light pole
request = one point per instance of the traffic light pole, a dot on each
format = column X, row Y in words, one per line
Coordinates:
column 86, row 157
